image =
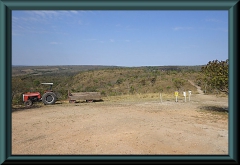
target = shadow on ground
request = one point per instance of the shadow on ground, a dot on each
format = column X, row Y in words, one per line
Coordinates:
column 21, row 108
column 214, row 108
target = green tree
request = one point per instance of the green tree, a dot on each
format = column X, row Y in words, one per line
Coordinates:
column 215, row 75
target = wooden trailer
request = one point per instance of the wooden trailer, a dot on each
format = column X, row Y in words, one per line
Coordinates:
column 86, row 96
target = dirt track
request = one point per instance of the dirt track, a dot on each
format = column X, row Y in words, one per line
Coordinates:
column 123, row 127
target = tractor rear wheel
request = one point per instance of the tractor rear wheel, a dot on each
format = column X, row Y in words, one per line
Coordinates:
column 28, row 103
column 49, row 98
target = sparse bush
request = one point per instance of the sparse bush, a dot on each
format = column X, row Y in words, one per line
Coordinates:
column 143, row 82
column 153, row 80
column 131, row 90
column 168, row 88
column 119, row 81
column 62, row 94
column 36, row 82
column 178, row 83
column 173, row 72
column 109, row 84
column 90, row 89
column 160, row 89
column 103, row 93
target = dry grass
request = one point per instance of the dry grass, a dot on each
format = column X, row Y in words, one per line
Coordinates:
column 141, row 97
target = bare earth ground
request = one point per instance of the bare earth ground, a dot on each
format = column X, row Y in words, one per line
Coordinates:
column 138, row 126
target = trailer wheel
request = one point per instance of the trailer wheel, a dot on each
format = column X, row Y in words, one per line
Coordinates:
column 49, row 98
column 28, row 103
column 72, row 101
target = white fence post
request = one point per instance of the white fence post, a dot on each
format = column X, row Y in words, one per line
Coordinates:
column 161, row 97
column 189, row 94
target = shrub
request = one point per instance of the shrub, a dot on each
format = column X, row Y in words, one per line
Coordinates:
column 90, row 89
column 119, row 81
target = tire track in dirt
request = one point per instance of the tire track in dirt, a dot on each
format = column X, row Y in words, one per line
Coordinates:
column 198, row 87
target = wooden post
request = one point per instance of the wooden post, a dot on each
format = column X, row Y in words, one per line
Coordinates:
column 189, row 94
column 184, row 94
column 161, row 97
column 176, row 94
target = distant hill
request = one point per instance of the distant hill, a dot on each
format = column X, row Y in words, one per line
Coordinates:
column 60, row 69
column 73, row 69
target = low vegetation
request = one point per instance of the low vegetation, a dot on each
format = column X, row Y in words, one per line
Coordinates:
column 109, row 80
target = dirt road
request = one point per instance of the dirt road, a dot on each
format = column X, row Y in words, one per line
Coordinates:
column 124, row 127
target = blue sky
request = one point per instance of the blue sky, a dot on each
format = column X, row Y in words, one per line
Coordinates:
column 120, row 38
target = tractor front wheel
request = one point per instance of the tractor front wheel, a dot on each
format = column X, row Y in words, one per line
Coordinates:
column 49, row 98
column 28, row 103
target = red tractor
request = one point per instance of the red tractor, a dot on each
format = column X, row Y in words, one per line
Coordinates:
column 48, row 98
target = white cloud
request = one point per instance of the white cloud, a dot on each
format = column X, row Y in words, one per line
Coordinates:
column 50, row 14
column 44, row 13
column 215, row 20
column 34, row 21
column 111, row 40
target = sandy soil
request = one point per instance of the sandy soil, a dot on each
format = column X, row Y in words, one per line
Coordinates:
column 124, row 127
